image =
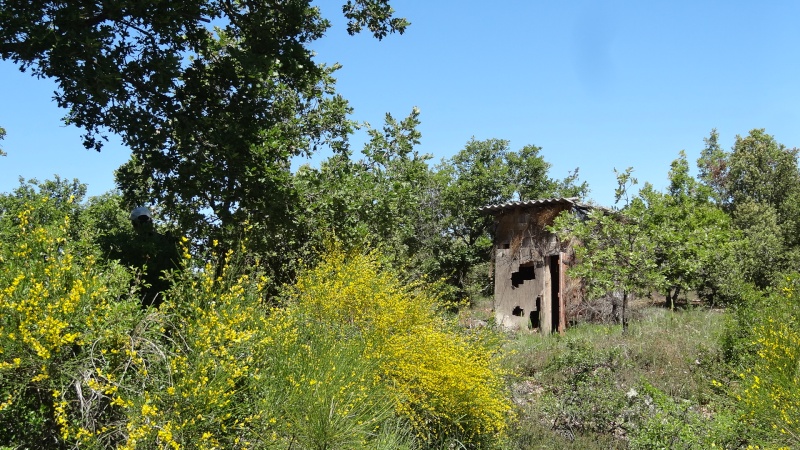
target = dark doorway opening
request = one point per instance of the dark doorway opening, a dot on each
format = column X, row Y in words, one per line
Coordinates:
column 555, row 291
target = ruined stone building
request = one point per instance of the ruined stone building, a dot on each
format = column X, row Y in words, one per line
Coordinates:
column 531, row 287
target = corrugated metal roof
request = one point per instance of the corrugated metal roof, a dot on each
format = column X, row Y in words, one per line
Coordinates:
column 572, row 201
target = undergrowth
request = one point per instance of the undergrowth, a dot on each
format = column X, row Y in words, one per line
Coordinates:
column 595, row 387
column 352, row 357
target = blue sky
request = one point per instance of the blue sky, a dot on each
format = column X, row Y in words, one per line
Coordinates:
column 597, row 85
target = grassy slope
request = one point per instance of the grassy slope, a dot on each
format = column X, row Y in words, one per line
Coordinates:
column 577, row 390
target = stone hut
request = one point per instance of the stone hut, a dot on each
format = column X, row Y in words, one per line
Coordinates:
column 531, row 287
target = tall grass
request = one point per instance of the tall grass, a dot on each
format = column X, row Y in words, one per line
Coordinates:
column 589, row 387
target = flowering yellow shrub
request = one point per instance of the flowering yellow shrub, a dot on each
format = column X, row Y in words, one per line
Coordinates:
column 329, row 394
column 447, row 384
column 242, row 374
column 769, row 389
column 65, row 334
column 212, row 327
column 354, row 359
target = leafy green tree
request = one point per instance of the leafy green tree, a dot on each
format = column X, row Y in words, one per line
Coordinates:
column 213, row 98
column 758, row 182
column 758, row 169
column 379, row 199
column 530, row 177
column 2, row 136
column 426, row 219
column 401, row 183
column 689, row 232
column 477, row 175
column 615, row 254
column 157, row 74
column 713, row 166
column 762, row 170
column 762, row 250
column 766, row 172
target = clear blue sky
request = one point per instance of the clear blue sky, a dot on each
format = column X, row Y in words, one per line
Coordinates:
column 597, row 85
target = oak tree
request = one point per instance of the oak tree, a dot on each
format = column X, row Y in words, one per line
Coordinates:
column 213, row 97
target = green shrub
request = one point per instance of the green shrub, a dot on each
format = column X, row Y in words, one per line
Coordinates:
column 584, row 389
column 669, row 423
column 70, row 335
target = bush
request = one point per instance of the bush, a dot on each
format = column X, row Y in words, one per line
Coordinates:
column 589, row 387
column 69, row 335
column 447, row 384
column 589, row 399
column 242, row 374
column 670, row 423
column 763, row 342
column 354, row 358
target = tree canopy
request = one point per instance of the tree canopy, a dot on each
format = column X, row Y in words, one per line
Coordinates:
column 615, row 254
column 758, row 184
column 213, row 97
column 159, row 74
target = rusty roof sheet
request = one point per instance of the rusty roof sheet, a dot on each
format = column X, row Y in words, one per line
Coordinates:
column 572, row 201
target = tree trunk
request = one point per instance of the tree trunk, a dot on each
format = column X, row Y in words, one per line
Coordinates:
column 625, row 311
column 615, row 307
column 672, row 297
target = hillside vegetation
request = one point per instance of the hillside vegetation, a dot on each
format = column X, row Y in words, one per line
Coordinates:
column 356, row 352
column 348, row 357
column 258, row 306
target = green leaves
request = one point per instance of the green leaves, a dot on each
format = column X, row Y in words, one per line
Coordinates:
column 213, row 98
column 688, row 230
column 380, row 200
column 758, row 183
column 615, row 254
column 375, row 15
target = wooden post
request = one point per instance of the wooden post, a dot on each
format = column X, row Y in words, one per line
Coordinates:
column 545, row 315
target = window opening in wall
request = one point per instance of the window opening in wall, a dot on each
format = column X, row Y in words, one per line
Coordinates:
column 519, row 312
column 525, row 273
